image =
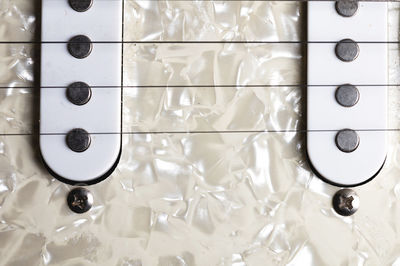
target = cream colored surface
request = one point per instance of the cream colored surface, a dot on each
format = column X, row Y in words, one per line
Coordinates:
column 200, row 198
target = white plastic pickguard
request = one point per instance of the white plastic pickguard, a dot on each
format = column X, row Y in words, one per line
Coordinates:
column 324, row 115
column 102, row 114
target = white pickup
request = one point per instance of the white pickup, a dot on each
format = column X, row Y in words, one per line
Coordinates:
column 348, row 158
column 92, row 103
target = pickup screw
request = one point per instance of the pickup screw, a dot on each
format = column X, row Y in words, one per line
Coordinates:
column 78, row 140
column 347, row 95
column 80, row 200
column 347, row 8
column 80, row 46
column 79, row 93
column 347, row 50
column 347, row 140
column 81, row 5
column 346, row 202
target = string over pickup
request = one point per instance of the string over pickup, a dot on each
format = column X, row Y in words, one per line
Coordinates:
column 81, row 88
column 346, row 96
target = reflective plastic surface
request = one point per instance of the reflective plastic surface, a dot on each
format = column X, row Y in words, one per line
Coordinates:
column 199, row 198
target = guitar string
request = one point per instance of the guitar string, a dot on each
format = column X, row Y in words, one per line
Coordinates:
column 192, row 132
column 260, row 86
column 193, row 42
column 198, row 86
column 206, row 86
column 201, row 85
column 377, row 1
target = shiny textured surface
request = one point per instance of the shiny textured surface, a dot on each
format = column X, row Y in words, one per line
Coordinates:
column 200, row 198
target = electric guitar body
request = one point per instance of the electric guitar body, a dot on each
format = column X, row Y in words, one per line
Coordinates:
column 138, row 132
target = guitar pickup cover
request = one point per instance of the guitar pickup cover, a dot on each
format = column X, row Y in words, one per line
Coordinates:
column 346, row 95
column 81, row 89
